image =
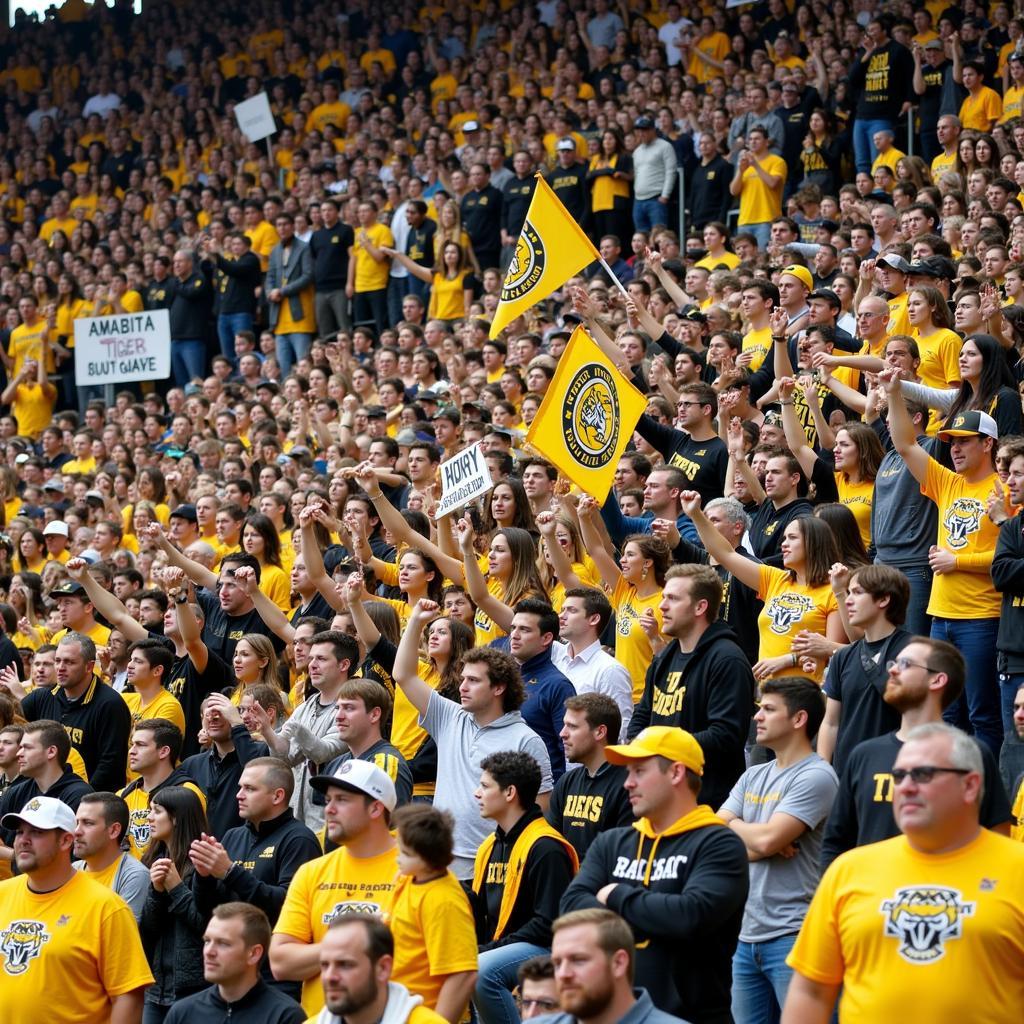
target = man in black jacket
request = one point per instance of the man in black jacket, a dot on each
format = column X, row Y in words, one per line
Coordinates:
column 1008, row 579
column 236, row 941
column 679, row 877
column 701, row 681
column 481, row 216
column 236, row 278
column 710, row 197
column 330, row 247
column 191, row 304
column 94, row 714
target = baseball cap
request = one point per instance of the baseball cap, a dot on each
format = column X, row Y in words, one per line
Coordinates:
column 643, row 122
column 95, row 496
column 471, row 126
column 376, row 412
column 934, row 266
column 185, row 512
column 427, row 395
column 693, row 313
column 42, row 812
column 936, row 44
column 802, row 274
column 58, row 528
column 896, row 262
column 659, row 741
column 971, row 424
column 69, row 588
column 54, row 484
column 360, row 777
column 1016, row 55
column 828, row 295
column 405, row 437
column 23, row 457
column 565, row 145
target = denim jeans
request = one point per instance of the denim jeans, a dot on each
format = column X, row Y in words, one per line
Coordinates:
column 760, row 978
column 977, row 711
column 919, row 622
column 496, row 980
column 290, row 348
column 1009, row 684
column 188, row 360
column 864, row 151
column 647, row 213
column 762, row 232
column 228, row 325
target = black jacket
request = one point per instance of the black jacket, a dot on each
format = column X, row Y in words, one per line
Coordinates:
column 709, row 693
column 260, row 1005
column 481, row 217
column 683, row 894
column 218, row 778
column 99, row 724
column 236, row 283
column 191, row 306
column 1008, row 579
column 171, row 928
column 710, row 197
column 69, row 789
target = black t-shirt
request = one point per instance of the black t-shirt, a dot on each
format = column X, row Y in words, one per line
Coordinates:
column 856, row 678
column 704, row 463
column 583, row 805
column 318, row 608
column 192, row 687
column 221, row 632
column 768, row 524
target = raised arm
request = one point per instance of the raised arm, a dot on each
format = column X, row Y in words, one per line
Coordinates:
column 176, row 583
column 717, row 546
column 198, row 574
column 414, row 268
column 106, row 605
column 367, row 631
column 901, row 428
column 498, row 611
column 406, row 670
column 738, row 461
column 590, row 520
column 559, row 560
column 796, row 437
column 265, row 608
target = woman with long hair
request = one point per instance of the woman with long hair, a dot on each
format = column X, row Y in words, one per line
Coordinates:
column 254, row 662
column 508, row 506
column 986, row 152
column 450, row 229
column 562, row 550
column 938, row 344
column 821, row 153
column 966, row 158
column 610, row 178
column 171, row 924
column 261, row 540
column 451, row 281
column 846, row 531
column 716, row 239
column 31, row 554
column 26, row 597
column 798, row 598
column 986, row 385
column 151, row 487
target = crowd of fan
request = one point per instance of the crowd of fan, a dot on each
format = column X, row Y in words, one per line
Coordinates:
column 658, row 757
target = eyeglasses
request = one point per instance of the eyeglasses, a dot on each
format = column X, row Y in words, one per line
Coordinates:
column 904, row 663
column 924, row 773
column 680, row 405
column 543, row 1004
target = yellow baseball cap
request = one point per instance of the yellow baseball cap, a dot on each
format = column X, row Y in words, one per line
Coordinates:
column 802, row 274
column 659, row 741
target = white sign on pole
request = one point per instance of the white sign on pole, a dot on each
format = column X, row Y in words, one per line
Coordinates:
column 123, row 347
column 463, row 477
column 255, row 118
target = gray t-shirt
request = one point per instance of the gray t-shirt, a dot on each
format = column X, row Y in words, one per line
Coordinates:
column 461, row 746
column 781, row 887
column 131, row 881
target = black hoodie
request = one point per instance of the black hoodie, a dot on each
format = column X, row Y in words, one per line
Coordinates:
column 709, row 693
column 69, row 789
column 683, row 892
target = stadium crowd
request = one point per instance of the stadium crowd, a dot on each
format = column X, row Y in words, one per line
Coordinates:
column 741, row 741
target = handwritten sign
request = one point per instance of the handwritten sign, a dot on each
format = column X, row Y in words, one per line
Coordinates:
column 255, row 118
column 463, row 477
column 121, row 348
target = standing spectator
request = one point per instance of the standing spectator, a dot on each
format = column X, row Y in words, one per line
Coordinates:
column 684, row 897
column 191, row 305
column 710, row 197
column 758, row 181
column 516, row 195
column 331, row 246
column 568, row 180
column 290, row 290
column 238, row 278
column 481, row 209
column 779, row 810
column 982, row 108
column 368, row 269
column 654, row 168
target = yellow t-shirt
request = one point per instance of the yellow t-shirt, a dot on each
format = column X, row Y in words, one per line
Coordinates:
column 33, row 407
column 888, row 159
column 486, row 628
column 329, row 887
column 336, row 114
column 163, row 705
column 586, row 572
column 899, row 321
column 1013, row 104
column 434, row 934
column 1017, row 826
column 67, row 225
column 372, row 276
column 790, row 608
column 138, row 816
column 72, row 466
column 942, row 933
column 448, row 297
column 275, row 584
column 98, row 634
column 632, row 646
column 760, row 342
column 977, row 113
column 940, row 358
column 716, row 46
column 27, row 343
column 263, row 238
column 728, row 259
column 385, row 58
column 943, row 163
column 966, row 530
column 858, row 498
column 758, row 203
column 70, row 950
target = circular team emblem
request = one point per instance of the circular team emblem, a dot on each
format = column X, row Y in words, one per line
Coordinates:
column 590, row 416
column 527, row 264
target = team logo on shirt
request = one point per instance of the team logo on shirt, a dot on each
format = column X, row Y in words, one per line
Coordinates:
column 527, row 264
column 351, row 907
column 590, row 416
column 924, row 918
column 20, row 943
column 138, row 827
column 785, row 609
column 961, row 520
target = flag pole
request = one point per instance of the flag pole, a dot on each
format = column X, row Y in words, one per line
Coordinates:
column 615, row 280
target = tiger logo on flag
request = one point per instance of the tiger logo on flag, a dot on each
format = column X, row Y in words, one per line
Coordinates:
column 527, row 264
column 590, row 416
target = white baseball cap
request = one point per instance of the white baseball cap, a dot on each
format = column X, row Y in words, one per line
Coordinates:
column 57, row 527
column 363, row 777
column 43, row 812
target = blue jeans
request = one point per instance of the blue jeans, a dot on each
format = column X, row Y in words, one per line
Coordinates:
column 398, row 288
column 228, row 325
column 647, row 213
column 290, row 348
column 760, row 978
column 1008, row 687
column 919, row 622
column 188, row 360
column 497, row 978
column 762, row 232
column 977, row 711
column 864, row 151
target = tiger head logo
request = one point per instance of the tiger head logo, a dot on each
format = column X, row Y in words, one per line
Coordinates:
column 962, row 518
column 527, row 266
column 786, row 609
column 138, row 827
column 590, row 416
column 20, row 943
column 924, row 918
column 351, row 907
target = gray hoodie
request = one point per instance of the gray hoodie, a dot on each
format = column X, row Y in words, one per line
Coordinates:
column 401, row 1002
column 461, row 745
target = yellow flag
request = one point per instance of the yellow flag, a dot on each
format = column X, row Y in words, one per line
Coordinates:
column 587, row 416
column 551, row 248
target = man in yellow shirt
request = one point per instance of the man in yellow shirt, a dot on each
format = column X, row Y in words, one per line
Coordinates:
column 118, row 298
column 1013, row 98
column 948, row 132
column 77, row 614
column 983, row 108
column 259, row 232
column 758, row 181
column 888, row 155
column 358, row 877
column 369, row 268
column 29, row 338
column 60, row 220
column 31, row 397
column 331, row 111
column 67, row 942
column 930, row 919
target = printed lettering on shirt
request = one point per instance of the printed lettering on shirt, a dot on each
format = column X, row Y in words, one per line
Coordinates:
column 924, row 918
column 582, row 808
column 662, row 868
column 352, row 907
column 496, row 873
column 669, row 700
column 883, row 788
column 691, row 469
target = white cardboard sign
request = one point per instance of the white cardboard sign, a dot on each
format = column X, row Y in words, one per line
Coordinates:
column 123, row 347
column 255, row 118
column 463, row 477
